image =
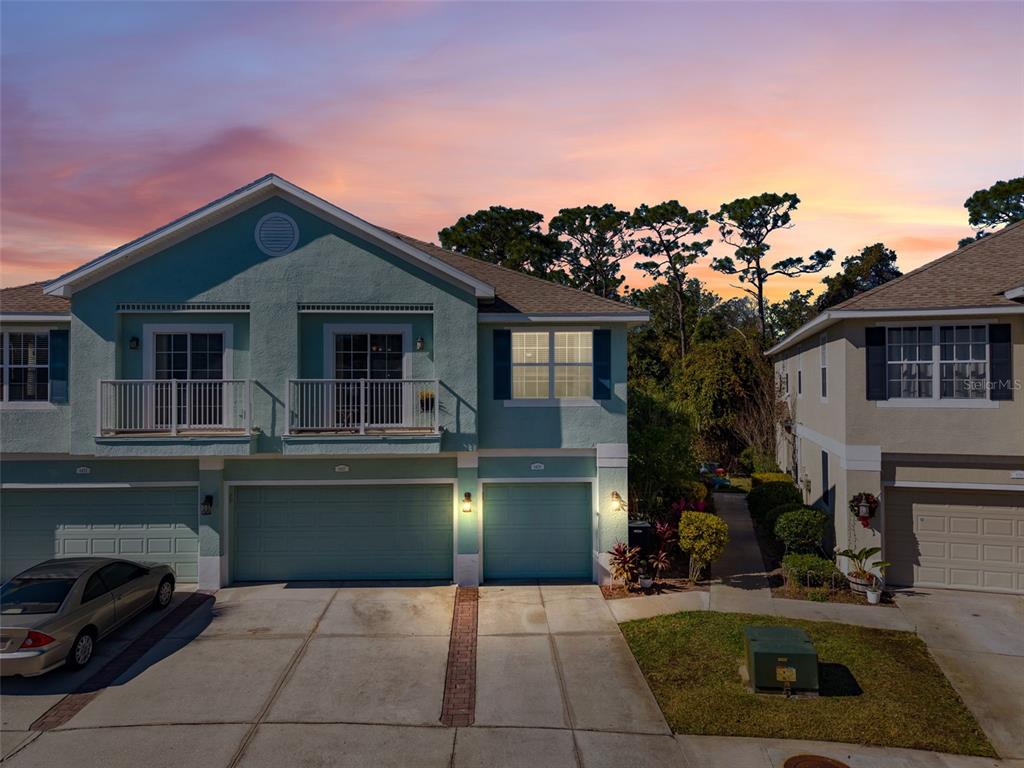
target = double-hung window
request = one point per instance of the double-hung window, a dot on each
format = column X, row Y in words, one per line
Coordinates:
column 963, row 361
column 824, row 365
column 552, row 365
column 26, row 367
column 948, row 362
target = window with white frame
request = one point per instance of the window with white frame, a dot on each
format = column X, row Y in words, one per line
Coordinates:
column 26, row 367
column 908, row 354
column 963, row 361
column 947, row 362
column 552, row 364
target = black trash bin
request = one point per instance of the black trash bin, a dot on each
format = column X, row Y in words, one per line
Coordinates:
column 640, row 534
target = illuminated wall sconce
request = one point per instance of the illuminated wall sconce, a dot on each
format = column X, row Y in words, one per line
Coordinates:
column 206, row 507
column 420, row 344
column 467, row 502
column 133, row 342
column 617, row 502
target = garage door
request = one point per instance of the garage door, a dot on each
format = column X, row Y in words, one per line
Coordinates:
column 537, row 531
column 158, row 524
column 342, row 532
column 958, row 539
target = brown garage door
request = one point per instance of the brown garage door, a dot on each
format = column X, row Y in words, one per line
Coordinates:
column 958, row 539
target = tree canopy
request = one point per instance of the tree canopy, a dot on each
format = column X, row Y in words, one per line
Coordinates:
column 873, row 266
column 1002, row 203
column 511, row 237
column 597, row 240
column 745, row 224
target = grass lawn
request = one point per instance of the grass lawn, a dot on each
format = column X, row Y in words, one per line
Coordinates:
column 897, row 696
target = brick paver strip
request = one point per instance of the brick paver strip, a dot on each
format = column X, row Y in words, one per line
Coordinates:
column 459, row 706
column 73, row 703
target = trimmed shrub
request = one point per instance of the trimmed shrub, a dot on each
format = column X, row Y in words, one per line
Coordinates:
column 768, row 496
column 810, row 570
column 752, row 460
column 703, row 536
column 693, row 490
column 760, row 478
column 771, row 517
column 801, row 530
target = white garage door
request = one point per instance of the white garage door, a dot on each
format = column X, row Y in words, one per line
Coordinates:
column 957, row 539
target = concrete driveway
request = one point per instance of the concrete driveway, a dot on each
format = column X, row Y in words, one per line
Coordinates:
column 978, row 641
column 292, row 674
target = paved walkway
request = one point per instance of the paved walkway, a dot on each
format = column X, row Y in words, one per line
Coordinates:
column 739, row 585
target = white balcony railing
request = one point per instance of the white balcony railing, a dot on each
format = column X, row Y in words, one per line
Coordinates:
column 359, row 406
column 175, row 406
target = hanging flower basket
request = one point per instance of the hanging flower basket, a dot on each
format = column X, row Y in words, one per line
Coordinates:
column 863, row 506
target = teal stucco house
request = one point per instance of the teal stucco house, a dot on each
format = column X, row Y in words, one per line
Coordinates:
column 270, row 388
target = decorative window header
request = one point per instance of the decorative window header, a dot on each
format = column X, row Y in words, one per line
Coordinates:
column 358, row 308
column 188, row 306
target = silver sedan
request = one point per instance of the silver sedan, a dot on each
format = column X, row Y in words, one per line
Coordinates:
column 55, row 612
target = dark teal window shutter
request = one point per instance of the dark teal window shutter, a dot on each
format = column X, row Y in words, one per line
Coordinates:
column 603, row 364
column 58, row 366
column 502, row 364
column 874, row 339
column 1000, row 356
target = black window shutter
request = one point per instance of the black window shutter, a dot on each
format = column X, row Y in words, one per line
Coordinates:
column 603, row 364
column 502, row 364
column 58, row 366
column 1000, row 355
column 874, row 339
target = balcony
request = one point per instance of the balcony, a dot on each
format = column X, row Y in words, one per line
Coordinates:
column 362, row 406
column 161, row 408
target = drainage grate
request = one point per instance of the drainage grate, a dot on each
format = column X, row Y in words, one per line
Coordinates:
column 812, row 761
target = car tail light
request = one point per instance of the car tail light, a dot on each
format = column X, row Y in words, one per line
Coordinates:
column 36, row 640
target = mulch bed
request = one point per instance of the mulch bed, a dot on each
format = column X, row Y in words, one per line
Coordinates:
column 662, row 587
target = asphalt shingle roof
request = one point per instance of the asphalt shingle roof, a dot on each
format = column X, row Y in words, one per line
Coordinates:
column 30, row 299
column 976, row 275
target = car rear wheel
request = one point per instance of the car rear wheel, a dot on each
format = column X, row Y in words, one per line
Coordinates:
column 164, row 594
column 82, row 650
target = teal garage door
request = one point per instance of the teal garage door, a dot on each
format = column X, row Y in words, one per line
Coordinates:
column 342, row 532
column 540, row 530
column 154, row 524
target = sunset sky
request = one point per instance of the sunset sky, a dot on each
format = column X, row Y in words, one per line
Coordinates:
column 883, row 118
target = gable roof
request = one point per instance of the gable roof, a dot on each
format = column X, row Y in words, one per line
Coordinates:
column 240, row 199
column 30, row 301
column 984, row 277
column 503, row 294
column 519, row 293
column 977, row 275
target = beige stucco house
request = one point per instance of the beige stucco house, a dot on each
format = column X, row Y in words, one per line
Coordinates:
column 914, row 391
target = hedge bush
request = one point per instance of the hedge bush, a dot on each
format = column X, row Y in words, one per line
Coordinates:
column 810, row 570
column 771, row 517
column 768, row 496
column 760, row 478
column 703, row 537
column 694, row 490
column 801, row 530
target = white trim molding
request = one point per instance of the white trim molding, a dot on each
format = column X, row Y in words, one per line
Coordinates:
column 631, row 318
column 33, row 318
column 262, row 189
column 100, row 486
column 612, row 455
column 867, row 458
column 1015, row 294
column 953, row 486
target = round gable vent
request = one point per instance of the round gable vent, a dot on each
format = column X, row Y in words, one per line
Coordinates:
column 277, row 234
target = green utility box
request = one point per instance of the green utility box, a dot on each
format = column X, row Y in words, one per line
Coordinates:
column 780, row 660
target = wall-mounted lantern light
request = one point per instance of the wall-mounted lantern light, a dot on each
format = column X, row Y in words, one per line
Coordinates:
column 206, row 507
column 420, row 344
column 467, row 502
column 616, row 502
column 133, row 342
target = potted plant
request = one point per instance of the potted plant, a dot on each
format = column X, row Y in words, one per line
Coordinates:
column 426, row 401
column 863, row 506
column 874, row 591
column 861, row 574
column 645, row 579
